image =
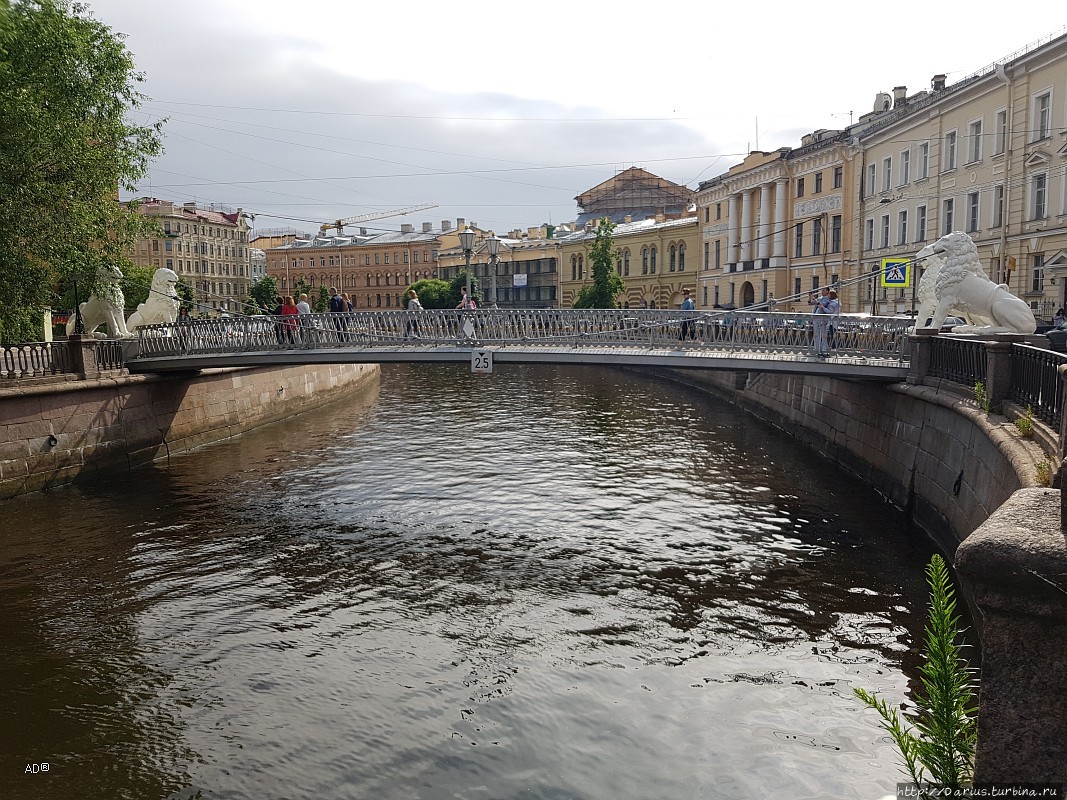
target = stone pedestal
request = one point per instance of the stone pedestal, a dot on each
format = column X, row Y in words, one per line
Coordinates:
column 1015, row 569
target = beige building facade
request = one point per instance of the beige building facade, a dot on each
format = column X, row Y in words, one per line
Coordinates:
column 986, row 155
column 207, row 249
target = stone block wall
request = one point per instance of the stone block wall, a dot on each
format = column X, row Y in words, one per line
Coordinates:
column 928, row 450
column 53, row 433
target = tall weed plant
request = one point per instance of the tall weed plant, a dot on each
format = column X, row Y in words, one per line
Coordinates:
column 938, row 745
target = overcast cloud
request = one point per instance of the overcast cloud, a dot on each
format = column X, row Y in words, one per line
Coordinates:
column 303, row 112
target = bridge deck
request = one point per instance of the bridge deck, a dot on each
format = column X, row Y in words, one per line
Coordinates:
column 867, row 348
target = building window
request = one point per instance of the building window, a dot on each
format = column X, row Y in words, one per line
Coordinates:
column 673, row 255
column 972, row 212
column 905, row 166
column 947, row 209
column 707, row 255
column 818, row 183
column 870, row 180
column 798, row 240
column 1000, row 140
column 902, row 227
column 644, row 260
column 1039, row 196
column 885, row 230
column 976, row 141
column 574, row 268
column 924, row 161
column 1042, row 116
column 681, row 257
column 920, row 224
column 816, row 237
column 707, row 213
column 839, row 177
column 869, row 240
column 652, row 261
column 797, row 288
column 998, row 207
column 626, row 263
column 887, row 174
column 718, row 211
column 949, row 161
column 835, row 233
column 800, row 187
column 1037, row 272
column 718, row 253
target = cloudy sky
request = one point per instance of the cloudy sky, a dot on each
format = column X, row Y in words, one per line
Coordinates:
column 304, row 111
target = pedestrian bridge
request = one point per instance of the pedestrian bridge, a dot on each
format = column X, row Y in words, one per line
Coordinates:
column 863, row 347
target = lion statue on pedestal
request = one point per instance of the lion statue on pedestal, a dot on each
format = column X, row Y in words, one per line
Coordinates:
column 162, row 303
column 955, row 282
column 105, row 306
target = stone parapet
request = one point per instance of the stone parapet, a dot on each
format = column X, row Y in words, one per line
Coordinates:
column 54, row 433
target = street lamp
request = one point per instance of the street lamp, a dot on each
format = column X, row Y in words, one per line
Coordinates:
column 466, row 241
column 492, row 244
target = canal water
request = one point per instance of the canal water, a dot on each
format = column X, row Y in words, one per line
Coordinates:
column 548, row 583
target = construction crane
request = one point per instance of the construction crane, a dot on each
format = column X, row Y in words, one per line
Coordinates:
column 339, row 224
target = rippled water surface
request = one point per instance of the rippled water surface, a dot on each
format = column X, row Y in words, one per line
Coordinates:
column 548, row 583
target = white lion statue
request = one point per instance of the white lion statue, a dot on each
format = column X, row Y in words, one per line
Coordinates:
column 162, row 303
column 955, row 282
column 105, row 306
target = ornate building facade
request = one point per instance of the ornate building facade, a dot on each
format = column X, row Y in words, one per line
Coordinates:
column 207, row 249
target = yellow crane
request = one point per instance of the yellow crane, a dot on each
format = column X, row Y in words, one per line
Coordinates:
column 339, row 224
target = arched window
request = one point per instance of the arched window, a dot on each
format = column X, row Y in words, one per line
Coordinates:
column 378, row 299
column 378, row 282
column 644, row 261
column 674, row 258
column 581, row 268
column 618, row 264
column 652, row 261
column 574, row 268
column 681, row 258
column 387, row 279
column 626, row 262
column 311, row 283
column 368, row 280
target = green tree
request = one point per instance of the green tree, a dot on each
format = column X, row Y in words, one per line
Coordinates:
column 433, row 293
column 607, row 285
column 302, row 287
column 66, row 144
column 458, row 284
column 322, row 303
column 263, row 293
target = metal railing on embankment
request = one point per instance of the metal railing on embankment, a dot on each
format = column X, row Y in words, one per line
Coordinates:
column 83, row 357
column 1032, row 377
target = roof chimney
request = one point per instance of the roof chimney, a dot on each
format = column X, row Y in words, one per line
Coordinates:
column 407, row 228
column 427, row 227
column 460, row 223
column 446, row 225
column 938, row 83
column 900, row 96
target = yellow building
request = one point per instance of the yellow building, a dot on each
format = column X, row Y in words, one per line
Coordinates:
column 986, row 155
column 773, row 227
column 655, row 261
column 207, row 249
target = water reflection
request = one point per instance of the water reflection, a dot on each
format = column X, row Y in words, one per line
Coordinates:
column 548, row 583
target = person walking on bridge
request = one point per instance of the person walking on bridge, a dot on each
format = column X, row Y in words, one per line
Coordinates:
column 339, row 306
column 827, row 306
column 688, row 330
column 414, row 307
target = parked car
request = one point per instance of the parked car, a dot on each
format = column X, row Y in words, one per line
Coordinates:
column 948, row 325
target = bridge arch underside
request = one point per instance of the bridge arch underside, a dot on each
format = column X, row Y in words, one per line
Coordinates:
column 844, row 367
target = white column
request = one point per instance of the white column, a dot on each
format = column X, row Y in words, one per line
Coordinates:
column 734, row 228
column 746, row 225
column 779, row 218
column 764, row 245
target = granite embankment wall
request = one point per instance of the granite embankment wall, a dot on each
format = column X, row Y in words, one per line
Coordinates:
column 971, row 481
column 53, row 433
column 930, row 451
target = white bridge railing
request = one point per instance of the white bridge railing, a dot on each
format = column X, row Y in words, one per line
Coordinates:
column 851, row 334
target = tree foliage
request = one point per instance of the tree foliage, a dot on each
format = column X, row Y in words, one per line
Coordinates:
column 458, row 284
column 433, row 293
column 66, row 148
column 607, row 285
column 263, row 294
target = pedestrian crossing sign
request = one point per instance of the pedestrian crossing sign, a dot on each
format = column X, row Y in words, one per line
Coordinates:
column 896, row 273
